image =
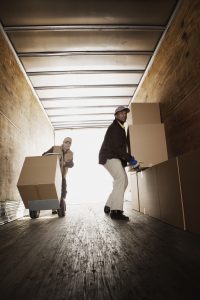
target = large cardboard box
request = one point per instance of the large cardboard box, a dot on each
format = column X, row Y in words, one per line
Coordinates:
column 169, row 193
column 144, row 113
column 148, row 193
column 40, row 182
column 148, row 144
column 189, row 168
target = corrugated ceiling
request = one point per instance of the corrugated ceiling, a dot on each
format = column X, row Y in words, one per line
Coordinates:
column 84, row 58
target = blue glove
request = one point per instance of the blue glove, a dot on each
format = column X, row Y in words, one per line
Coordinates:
column 134, row 163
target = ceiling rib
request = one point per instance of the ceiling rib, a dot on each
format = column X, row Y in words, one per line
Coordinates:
column 72, row 53
column 84, row 72
column 93, row 126
column 83, row 114
column 84, row 98
column 82, row 122
column 85, row 28
column 83, row 107
column 84, row 86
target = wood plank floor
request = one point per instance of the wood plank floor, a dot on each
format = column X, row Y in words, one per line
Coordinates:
column 86, row 255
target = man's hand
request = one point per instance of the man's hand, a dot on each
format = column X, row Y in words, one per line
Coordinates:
column 135, row 164
column 69, row 164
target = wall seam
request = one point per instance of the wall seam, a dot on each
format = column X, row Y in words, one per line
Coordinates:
column 9, row 120
column 181, row 194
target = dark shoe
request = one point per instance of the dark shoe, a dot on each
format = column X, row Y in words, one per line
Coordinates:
column 54, row 211
column 118, row 215
column 106, row 209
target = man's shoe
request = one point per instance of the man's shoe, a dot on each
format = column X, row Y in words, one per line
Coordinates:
column 118, row 215
column 54, row 211
column 106, row 209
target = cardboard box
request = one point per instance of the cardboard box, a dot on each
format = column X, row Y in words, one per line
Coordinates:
column 148, row 193
column 189, row 168
column 40, row 182
column 148, row 144
column 144, row 113
column 169, row 193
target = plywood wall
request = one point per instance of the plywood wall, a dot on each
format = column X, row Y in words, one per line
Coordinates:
column 173, row 80
column 24, row 130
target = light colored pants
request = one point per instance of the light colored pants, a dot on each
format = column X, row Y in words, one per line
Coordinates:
column 116, row 198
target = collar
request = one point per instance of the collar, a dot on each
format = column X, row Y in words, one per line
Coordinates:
column 122, row 126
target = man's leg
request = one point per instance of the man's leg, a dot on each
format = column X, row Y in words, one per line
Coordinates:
column 116, row 198
column 63, row 193
column 64, row 188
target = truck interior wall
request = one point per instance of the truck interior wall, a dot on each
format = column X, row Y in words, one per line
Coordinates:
column 173, row 80
column 25, row 130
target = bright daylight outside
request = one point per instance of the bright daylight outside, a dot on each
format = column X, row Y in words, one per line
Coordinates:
column 87, row 181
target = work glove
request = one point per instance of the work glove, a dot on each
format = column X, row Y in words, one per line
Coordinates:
column 135, row 164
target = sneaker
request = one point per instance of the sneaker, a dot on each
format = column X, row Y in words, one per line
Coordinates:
column 106, row 209
column 118, row 215
column 54, row 211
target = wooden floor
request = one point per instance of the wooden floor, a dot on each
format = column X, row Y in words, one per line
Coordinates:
column 86, row 255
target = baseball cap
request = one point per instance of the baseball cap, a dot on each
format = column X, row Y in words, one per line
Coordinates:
column 121, row 108
column 67, row 139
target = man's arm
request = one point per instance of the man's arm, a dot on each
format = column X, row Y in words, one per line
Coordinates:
column 48, row 151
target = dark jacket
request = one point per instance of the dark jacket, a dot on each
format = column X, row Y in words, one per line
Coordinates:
column 115, row 145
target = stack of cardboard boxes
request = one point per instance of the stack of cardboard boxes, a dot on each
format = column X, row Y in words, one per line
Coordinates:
column 147, row 134
column 169, row 189
column 147, row 141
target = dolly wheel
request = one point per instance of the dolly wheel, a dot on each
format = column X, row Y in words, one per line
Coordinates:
column 34, row 214
column 62, row 209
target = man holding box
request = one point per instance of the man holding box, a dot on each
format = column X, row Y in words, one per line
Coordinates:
column 114, row 156
column 66, row 161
